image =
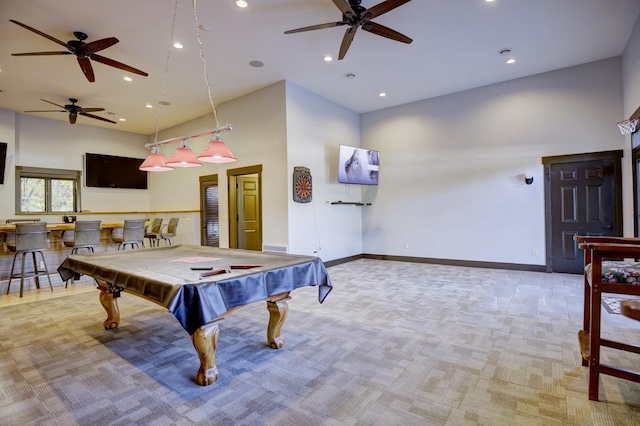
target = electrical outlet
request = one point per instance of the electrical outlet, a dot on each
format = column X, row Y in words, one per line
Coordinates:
column 534, row 252
column 405, row 245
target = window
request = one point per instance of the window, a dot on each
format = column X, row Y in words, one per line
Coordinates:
column 40, row 190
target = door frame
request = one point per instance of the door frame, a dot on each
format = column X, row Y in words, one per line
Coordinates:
column 232, row 175
column 616, row 156
column 209, row 180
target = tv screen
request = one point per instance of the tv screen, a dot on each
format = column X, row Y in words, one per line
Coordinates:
column 3, row 160
column 358, row 165
column 110, row 171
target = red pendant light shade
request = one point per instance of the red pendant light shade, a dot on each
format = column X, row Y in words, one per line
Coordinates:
column 217, row 152
column 183, row 157
column 155, row 162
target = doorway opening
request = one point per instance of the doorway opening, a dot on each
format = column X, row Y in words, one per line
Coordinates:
column 245, row 207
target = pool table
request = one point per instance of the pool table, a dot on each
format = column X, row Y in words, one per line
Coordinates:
column 200, row 286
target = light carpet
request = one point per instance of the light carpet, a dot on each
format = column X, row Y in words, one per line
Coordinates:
column 395, row 343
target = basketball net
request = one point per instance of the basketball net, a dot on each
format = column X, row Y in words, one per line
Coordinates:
column 628, row 126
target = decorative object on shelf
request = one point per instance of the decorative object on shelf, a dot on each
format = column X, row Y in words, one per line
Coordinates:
column 528, row 178
column 215, row 152
column 301, row 184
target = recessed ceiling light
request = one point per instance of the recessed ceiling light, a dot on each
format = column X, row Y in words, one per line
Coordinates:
column 149, row 106
column 122, row 119
column 242, row 3
column 178, row 45
column 203, row 27
column 111, row 113
column 165, row 103
column 382, row 94
column 327, row 58
column 256, row 64
column 127, row 79
column 511, row 61
column 350, row 76
column 489, row 1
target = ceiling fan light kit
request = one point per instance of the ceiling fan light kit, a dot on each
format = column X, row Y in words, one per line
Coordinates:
column 356, row 16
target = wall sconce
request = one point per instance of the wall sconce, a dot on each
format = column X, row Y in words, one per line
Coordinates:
column 528, row 178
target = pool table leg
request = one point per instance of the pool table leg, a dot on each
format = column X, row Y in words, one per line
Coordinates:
column 278, row 310
column 205, row 340
column 110, row 304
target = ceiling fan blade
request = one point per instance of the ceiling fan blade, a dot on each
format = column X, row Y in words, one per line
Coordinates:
column 344, row 7
column 96, row 117
column 383, row 31
column 382, row 8
column 41, row 53
column 98, row 45
column 92, row 109
column 346, row 40
column 53, row 39
column 52, row 103
column 117, row 64
column 48, row 110
column 87, row 69
column 73, row 116
column 315, row 27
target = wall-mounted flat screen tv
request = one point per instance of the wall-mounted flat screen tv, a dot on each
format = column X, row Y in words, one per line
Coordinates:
column 110, row 171
column 358, row 165
column 3, row 160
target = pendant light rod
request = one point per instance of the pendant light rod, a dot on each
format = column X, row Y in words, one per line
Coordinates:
column 217, row 130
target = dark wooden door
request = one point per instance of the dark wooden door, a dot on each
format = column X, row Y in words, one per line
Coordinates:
column 584, row 199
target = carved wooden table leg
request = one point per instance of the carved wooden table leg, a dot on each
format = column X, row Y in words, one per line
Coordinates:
column 205, row 340
column 110, row 304
column 278, row 310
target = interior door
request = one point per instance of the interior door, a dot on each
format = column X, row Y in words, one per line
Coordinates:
column 209, row 211
column 584, row 198
column 248, row 199
column 245, row 207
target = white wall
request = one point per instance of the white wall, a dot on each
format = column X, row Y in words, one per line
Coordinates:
column 315, row 129
column 452, row 168
column 258, row 137
column 42, row 142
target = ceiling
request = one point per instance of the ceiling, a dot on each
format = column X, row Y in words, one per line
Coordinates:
column 455, row 47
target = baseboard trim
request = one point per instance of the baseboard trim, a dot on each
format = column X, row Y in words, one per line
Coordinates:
column 343, row 260
column 450, row 262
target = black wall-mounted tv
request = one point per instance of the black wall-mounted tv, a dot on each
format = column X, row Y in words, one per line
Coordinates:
column 110, row 171
column 3, row 160
column 358, row 165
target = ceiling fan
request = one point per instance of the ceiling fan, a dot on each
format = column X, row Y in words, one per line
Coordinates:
column 75, row 110
column 356, row 16
column 83, row 51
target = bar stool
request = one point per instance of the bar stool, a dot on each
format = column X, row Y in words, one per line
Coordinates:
column 154, row 231
column 170, row 232
column 30, row 238
column 132, row 234
column 86, row 235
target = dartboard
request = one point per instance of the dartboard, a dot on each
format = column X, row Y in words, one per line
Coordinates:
column 301, row 185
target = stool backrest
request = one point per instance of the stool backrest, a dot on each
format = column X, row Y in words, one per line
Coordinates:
column 133, row 230
column 173, row 226
column 156, row 225
column 31, row 236
column 87, row 232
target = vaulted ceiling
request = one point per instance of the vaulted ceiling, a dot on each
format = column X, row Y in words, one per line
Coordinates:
column 456, row 45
